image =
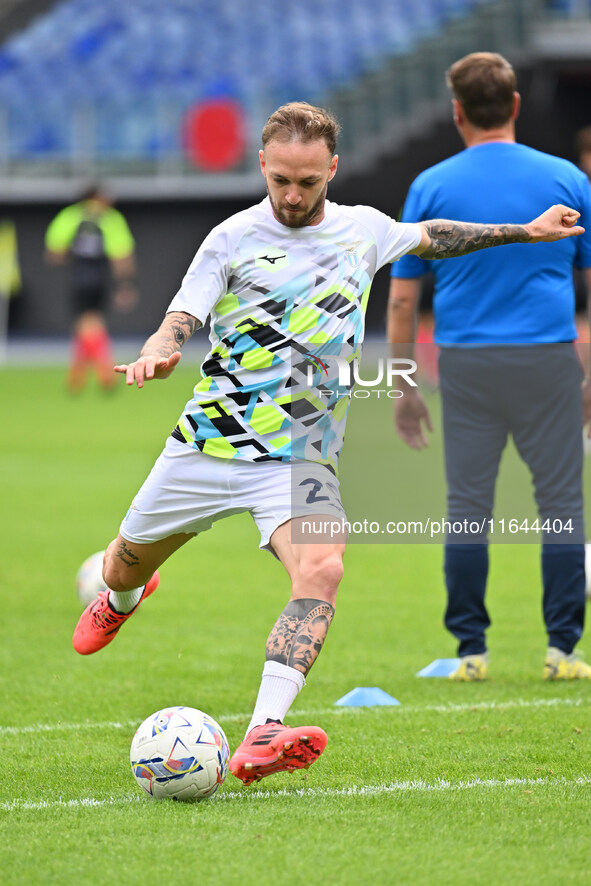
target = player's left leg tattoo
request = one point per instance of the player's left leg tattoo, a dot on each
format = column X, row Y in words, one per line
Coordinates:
column 128, row 557
column 299, row 632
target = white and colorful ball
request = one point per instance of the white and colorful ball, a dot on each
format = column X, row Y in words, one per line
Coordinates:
column 179, row 753
column 89, row 579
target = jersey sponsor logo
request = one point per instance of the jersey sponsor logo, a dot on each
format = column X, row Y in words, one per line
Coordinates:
column 272, row 259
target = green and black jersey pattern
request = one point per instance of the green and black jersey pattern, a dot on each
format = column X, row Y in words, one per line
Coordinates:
column 282, row 302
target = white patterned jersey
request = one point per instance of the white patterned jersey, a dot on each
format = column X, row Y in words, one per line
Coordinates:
column 281, row 302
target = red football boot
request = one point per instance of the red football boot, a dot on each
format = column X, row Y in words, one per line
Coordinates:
column 274, row 747
column 99, row 623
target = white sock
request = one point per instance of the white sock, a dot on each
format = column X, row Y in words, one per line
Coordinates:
column 124, row 601
column 280, row 686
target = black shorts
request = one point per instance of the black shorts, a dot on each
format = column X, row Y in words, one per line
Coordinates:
column 90, row 298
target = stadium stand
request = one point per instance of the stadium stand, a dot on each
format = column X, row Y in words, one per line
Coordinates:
column 15, row 15
column 106, row 88
column 570, row 8
column 395, row 111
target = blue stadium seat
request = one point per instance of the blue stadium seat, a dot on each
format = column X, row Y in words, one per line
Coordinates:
column 128, row 58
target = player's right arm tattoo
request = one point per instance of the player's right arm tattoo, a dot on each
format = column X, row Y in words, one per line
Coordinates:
column 450, row 238
column 176, row 328
column 299, row 632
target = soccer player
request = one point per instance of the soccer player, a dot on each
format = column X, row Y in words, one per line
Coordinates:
column 505, row 325
column 281, row 282
column 94, row 240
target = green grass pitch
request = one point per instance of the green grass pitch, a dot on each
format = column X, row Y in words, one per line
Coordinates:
column 460, row 784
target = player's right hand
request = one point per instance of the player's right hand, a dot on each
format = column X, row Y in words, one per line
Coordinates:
column 148, row 367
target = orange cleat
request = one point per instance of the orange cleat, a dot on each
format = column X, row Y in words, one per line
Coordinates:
column 99, row 624
column 274, row 747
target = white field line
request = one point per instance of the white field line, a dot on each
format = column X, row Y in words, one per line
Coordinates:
column 450, row 708
column 415, row 786
column 368, row 790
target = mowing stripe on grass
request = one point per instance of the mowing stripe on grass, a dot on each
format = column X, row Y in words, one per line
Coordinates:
column 367, row 790
column 450, row 708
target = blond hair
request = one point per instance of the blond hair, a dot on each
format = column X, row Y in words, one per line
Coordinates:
column 299, row 121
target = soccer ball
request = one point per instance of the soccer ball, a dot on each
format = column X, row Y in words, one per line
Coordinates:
column 179, row 753
column 89, row 580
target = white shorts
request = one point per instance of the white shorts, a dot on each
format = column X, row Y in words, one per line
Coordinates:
column 187, row 491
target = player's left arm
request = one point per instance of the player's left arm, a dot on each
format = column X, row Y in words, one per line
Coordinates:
column 120, row 250
column 441, row 238
column 56, row 258
column 126, row 295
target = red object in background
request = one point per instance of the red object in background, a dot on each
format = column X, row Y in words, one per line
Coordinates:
column 427, row 352
column 214, row 134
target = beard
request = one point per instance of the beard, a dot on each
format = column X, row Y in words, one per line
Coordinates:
column 303, row 217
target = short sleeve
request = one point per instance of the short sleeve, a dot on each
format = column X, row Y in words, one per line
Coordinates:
column 118, row 239
column 411, row 266
column 393, row 239
column 206, row 280
column 62, row 229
